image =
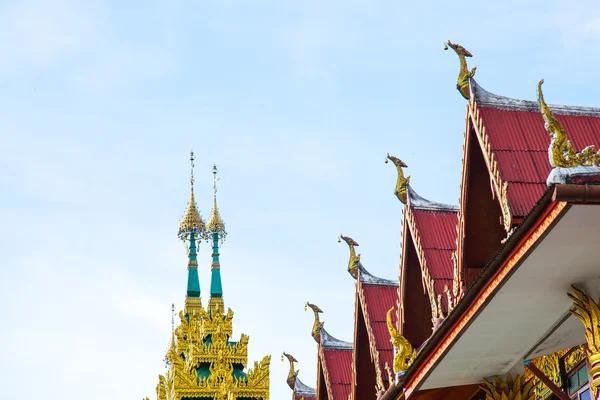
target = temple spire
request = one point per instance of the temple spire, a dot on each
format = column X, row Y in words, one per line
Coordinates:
column 192, row 228
column 215, row 231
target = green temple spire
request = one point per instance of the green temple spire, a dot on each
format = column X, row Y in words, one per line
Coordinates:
column 192, row 228
column 215, row 230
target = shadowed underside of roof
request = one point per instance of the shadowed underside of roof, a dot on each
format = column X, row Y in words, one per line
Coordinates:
column 519, row 141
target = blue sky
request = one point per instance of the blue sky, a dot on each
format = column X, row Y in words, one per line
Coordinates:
column 296, row 102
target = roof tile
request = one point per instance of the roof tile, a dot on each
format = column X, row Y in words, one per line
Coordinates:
column 520, row 144
column 339, row 369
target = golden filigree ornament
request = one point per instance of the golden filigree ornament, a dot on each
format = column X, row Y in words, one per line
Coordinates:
column 549, row 365
column 318, row 325
column 561, row 152
column 402, row 182
column 588, row 312
column 292, row 374
column 509, row 389
column 354, row 258
column 462, row 83
column 574, row 358
column 457, row 286
column 404, row 355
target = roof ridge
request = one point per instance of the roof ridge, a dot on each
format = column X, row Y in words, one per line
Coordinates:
column 420, row 203
column 330, row 342
column 485, row 98
column 369, row 279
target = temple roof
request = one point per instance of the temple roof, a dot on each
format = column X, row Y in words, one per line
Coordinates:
column 488, row 99
column 329, row 342
column 416, row 201
column 516, row 142
column 337, row 368
column 369, row 279
column 303, row 391
column 433, row 228
column 376, row 300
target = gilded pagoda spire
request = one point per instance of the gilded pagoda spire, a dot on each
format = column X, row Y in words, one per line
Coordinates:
column 215, row 231
column 192, row 228
column 203, row 361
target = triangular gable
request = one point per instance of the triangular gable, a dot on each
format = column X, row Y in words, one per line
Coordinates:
column 432, row 238
column 335, row 368
column 373, row 349
column 516, row 142
column 506, row 167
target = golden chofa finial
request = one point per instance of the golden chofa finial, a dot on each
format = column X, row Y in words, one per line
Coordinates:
column 561, row 152
column 354, row 258
column 402, row 182
column 192, row 221
column 292, row 374
column 215, row 224
column 404, row 354
column 462, row 84
column 318, row 325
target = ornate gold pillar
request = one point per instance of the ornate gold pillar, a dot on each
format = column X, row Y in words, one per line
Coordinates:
column 508, row 389
column 588, row 312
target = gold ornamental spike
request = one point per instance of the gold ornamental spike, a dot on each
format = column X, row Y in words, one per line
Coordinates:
column 402, row 182
column 215, row 223
column 318, row 325
column 354, row 258
column 292, row 374
column 462, row 84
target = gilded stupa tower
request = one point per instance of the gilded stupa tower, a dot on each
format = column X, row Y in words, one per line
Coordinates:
column 203, row 363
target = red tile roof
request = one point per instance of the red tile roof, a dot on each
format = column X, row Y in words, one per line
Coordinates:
column 519, row 142
column 437, row 232
column 378, row 300
column 338, row 367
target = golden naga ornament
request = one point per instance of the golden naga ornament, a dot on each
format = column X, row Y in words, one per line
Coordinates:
column 588, row 312
column 509, row 389
column 462, row 84
column 404, row 355
column 402, row 182
column 561, row 151
column 293, row 374
column 354, row 258
column 318, row 325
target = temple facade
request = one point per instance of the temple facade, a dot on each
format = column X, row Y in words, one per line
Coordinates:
column 203, row 360
column 497, row 297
